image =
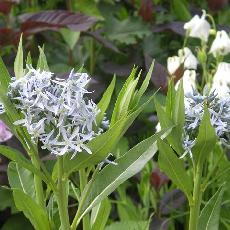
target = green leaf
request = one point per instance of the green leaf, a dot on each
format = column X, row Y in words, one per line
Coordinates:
column 127, row 31
column 180, row 8
column 129, row 225
column 6, row 199
column 88, row 7
column 4, row 79
column 145, row 83
column 121, row 96
column 34, row 212
column 100, row 146
column 170, row 99
column 100, row 215
column 174, row 168
column 18, row 63
column 206, row 139
column 210, row 214
column 178, row 108
column 29, row 59
column 42, row 62
column 17, row 157
column 105, row 101
column 165, row 122
column 17, row 222
column 21, row 178
column 109, row 178
column 70, row 37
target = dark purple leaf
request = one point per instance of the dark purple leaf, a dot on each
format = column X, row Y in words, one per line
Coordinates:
column 146, row 10
column 8, row 37
column 5, row 6
column 158, row 179
column 119, row 70
column 159, row 75
column 106, row 43
column 171, row 201
column 216, row 5
column 175, row 27
column 54, row 20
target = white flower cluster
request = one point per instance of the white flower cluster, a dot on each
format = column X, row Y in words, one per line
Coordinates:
column 199, row 27
column 185, row 57
column 55, row 110
column 219, row 109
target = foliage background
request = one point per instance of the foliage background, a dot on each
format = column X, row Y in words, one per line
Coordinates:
column 107, row 37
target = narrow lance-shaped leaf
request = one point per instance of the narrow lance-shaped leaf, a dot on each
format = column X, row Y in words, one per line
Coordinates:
column 100, row 215
column 120, row 97
column 178, row 111
column 166, row 121
column 210, row 214
column 174, row 168
column 105, row 100
column 205, row 141
column 18, row 63
column 42, row 62
column 109, row 178
column 34, row 212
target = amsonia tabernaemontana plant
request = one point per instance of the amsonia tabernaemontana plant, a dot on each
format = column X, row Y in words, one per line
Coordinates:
column 46, row 112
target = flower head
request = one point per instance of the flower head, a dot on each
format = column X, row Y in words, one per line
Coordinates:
column 56, row 111
column 198, row 27
column 221, row 44
column 219, row 109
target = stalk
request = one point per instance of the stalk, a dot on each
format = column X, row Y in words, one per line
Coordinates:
column 83, row 183
column 40, row 198
column 62, row 197
column 197, row 197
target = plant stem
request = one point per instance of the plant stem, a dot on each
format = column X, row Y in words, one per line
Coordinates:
column 62, row 196
column 83, row 183
column 37, row 180
column 197, row 197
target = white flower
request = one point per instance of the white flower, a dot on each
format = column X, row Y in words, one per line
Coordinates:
column 221, row 80
column 185, row 57
column 188, row 58
column 221, row 44
column 56, row 111
column 173, row 63
column 189, row 81
column 198, row 27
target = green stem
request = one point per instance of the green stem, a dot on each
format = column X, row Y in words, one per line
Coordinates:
column 37, row 180
column 197, row 197
column 62, row 196
column 84, row 195
column 83, row 183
